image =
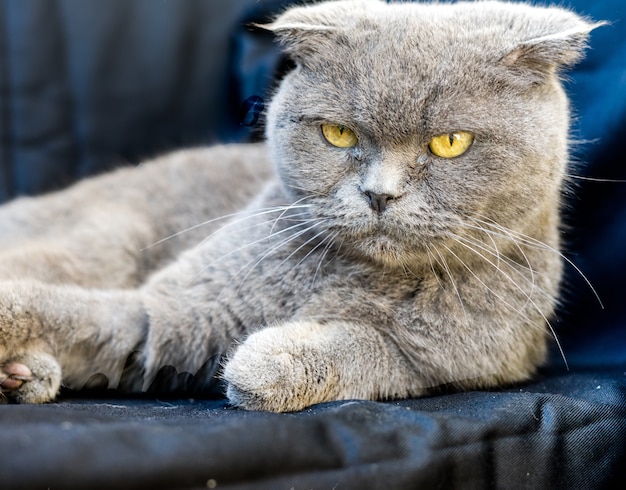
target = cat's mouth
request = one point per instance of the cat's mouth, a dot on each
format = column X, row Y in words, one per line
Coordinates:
column 394, row 244
column 386, row 237
column 377, row 244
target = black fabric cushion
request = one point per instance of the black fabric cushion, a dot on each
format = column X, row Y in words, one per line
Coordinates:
column 86, row 85
column 564, row 431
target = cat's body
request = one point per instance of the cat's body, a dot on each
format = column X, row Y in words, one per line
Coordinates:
column 345, row 258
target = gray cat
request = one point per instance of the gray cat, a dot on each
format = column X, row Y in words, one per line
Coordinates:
column 398, row 231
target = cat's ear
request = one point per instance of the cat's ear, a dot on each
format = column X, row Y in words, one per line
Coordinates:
column 559, row 46
column 306, row 30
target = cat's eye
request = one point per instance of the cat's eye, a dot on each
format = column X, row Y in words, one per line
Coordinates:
column 339, row 136
column 451, row 145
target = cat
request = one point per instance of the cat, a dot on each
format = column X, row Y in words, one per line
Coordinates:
column 397, row 231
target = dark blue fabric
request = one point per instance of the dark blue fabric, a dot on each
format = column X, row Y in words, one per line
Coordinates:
column 596, row 212
column 89, row 84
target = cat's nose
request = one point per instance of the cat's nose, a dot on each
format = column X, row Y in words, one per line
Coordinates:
column 378, row 202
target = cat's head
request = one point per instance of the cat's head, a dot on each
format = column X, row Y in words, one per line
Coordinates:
column 403, row 123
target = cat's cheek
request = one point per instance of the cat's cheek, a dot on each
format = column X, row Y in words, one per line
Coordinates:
column 307, row 177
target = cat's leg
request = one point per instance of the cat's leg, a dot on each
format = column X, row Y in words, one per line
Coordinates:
column 53, row 332
column 78, row 236
column 86, row 331
column 95, row 252
column 114, row 230
column 292, row 366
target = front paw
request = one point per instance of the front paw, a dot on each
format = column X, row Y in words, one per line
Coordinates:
column 34, row 377
column 28, row 373
column 271, row 372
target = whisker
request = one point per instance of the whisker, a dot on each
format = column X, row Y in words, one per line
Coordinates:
column 595, row 179
column 513, row 308
column 288, row 208
column 431, row 257
column 405, row 270
column 301, row 247
column 272, row 250
column 529, row 267
column 330, row 239
column 504, row 233
column 530, row 241
column 256, row 213
column 289, row 228
column 445, row 266
column 495, row 247
column 469, row 269
column 531, row 281
column 259, row 225
column 338, row 251
column 501, row 258
column 236, row 222
column 309, row 191
column 250, row 244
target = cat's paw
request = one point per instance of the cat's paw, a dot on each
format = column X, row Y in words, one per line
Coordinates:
column 264, row 382
column 273, row 371
column 30, row 378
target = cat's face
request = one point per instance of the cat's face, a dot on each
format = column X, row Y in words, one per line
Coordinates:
column 403, row 124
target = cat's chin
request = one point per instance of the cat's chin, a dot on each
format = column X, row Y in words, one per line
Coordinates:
column 384, row 250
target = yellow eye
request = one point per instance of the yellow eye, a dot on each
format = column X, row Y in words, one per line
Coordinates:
column 451, row 145
column 339, row 136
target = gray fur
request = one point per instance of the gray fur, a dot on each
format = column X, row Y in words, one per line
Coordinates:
column 311, row 294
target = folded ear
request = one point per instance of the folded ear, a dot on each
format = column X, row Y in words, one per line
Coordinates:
column 559, row 46
column 301, row 40
column 307, row 30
